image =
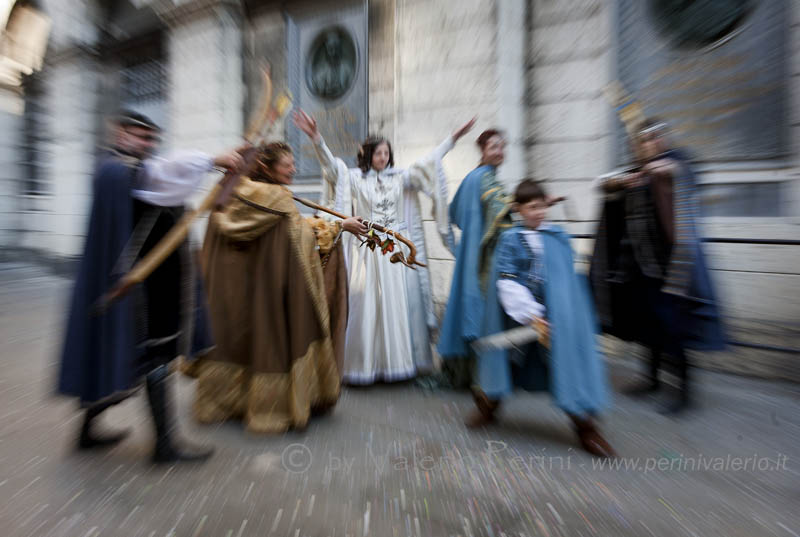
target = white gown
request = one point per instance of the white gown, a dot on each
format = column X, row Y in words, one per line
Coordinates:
column 391, row 310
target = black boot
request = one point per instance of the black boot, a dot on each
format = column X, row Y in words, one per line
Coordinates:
column 680, row 402
column 651, row 383
column 644, row 387
column 166, row 448
column 677, row 405
column 88, row 439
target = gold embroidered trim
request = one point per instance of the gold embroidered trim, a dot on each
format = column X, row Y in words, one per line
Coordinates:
column 490, row 192
column 497, row 223
column 268, row 402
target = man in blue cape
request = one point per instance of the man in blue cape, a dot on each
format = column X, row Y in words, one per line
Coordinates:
column 136, row 201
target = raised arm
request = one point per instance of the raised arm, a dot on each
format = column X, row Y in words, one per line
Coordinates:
column 427, row 176
column 328, row 163
column 334, row 170
column 336, row 176
column 423, row 175
column 169, row 181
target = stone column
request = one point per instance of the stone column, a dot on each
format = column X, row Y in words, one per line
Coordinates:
column 53, row 222
column 381, row 108
column 10, row 173
column 571, row 124
column 512, row 35
column 56, row 221
column 451, row 63
column 206, row 86
column 206, row 91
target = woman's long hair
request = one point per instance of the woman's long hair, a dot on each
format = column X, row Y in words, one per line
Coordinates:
column 268, row 155
column 367, row 149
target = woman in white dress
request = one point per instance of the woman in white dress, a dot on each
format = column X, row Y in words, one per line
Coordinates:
column 390, row 311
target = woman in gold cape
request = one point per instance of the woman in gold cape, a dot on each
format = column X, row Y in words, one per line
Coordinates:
column 274, row 364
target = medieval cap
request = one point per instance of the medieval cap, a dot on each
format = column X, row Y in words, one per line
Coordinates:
column 129, row 118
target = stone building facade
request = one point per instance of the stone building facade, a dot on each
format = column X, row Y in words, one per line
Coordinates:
column 536, row 68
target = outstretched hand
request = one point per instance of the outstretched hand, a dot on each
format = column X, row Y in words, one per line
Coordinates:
column 464, row 129
column 231, row 161
column 307, row 124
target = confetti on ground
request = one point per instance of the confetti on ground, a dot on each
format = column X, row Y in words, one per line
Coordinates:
column 390, row 460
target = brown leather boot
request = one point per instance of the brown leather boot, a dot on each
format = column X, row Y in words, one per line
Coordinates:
column 591, row 439
column 484, row 414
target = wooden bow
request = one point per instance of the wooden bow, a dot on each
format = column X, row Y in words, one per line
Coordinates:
column 397, row 257
column 214, row 199
column 629, row 110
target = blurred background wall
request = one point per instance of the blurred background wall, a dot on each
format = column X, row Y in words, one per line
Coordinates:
column 726, row 76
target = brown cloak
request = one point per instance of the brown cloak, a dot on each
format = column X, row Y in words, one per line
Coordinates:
column 274, row 359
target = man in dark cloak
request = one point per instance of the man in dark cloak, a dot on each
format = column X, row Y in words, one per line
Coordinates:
column 136, row 201
column 648, row 271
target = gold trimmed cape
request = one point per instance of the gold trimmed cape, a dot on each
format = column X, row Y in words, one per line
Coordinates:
column 274, row 361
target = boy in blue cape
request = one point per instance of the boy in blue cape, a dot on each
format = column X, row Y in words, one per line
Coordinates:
column 533, row 281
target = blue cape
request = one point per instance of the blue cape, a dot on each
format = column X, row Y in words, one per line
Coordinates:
column 698, row 314
column 464, row 314
column 576, row 373
column 98, row 358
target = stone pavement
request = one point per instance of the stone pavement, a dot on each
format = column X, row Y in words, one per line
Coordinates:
column 390, row 461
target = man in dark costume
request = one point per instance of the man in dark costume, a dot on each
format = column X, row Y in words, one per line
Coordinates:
column 648, row 271
column 136, row 201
